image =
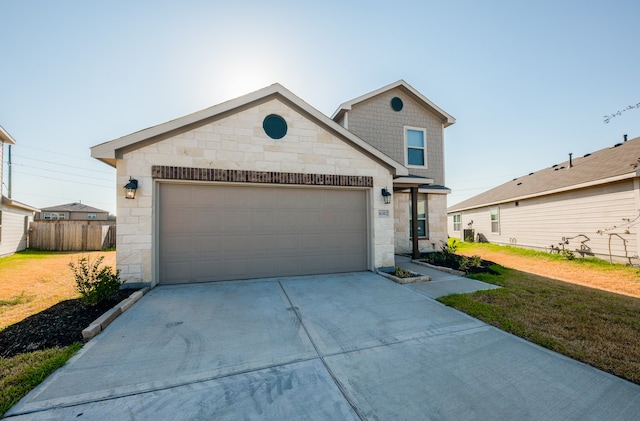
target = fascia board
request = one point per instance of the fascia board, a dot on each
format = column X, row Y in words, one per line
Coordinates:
column 6, row 137
column 346, row 106
column 549, row 192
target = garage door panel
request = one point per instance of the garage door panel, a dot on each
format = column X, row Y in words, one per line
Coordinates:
column 212, row 233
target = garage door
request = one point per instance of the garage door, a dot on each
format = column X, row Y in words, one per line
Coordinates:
column 214, row 233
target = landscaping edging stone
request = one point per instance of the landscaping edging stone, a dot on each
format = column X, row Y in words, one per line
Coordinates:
column 442, row 268
column 413, row 279
column 103, row 321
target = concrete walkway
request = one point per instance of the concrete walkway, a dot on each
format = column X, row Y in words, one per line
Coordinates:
column 442, row 283
column 328, row 347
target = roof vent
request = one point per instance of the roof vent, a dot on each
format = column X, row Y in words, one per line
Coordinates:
column 554, row 165
column 586, row 155
column 519, row 184
column 617, row 144
column 530, row 173
column 624, row 136
column 570, row 160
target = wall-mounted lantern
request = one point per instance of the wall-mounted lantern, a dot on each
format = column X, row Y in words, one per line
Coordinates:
column 131, row 188
column 386, row 195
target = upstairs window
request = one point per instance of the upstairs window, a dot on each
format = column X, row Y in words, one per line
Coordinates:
column 415, row 140
column 91, row 216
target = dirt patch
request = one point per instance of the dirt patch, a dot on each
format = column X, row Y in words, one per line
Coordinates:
column 33, row 282
column 618, row 281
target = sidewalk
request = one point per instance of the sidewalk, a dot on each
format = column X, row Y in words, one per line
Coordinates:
column 441, row 283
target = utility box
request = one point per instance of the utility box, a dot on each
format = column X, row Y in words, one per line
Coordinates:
column 469, row 235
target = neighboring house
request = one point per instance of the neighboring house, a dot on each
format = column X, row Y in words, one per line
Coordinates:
column 72, row 212
column 265, row 185
column 589, row 205
column 14, row 216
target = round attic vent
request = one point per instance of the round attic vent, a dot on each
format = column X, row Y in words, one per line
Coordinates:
column 274, row 126
column 396, row 104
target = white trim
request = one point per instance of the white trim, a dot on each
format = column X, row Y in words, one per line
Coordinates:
column 459, row 222
column 424, row 149
column 548, row 192
column 5, row 137
column 108, row 152
column 447, row 119
column 497, row 210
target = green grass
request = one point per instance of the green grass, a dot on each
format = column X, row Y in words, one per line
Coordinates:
column 18, row 299
column 586, row 262
column 596, row 327
column 20, row 374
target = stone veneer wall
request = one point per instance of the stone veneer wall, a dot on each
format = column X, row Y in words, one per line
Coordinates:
column 437, row 214
column 238, row 142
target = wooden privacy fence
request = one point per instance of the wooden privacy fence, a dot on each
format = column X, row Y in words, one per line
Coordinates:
column 72, row 235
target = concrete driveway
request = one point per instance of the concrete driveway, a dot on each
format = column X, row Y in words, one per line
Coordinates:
column 331, row 347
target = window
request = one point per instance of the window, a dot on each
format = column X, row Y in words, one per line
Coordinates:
column 422, row 217
column 91, row 216
column 495, row 221
column 54, row 215
column 457, row 222
column 415, row 141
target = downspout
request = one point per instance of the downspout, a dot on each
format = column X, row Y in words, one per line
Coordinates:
column 636, row 196
column 9, row 173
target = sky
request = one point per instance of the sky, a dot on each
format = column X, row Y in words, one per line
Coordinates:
column 528, row 82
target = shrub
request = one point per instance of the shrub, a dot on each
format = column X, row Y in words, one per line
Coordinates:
column 476, row 261
column 567, row 254
column 401, row 273
column 95, row 283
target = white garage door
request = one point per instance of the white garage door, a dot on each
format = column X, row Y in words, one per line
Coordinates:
column 214, row 233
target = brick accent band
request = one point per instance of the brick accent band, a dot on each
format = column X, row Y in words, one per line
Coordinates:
column 263, row 177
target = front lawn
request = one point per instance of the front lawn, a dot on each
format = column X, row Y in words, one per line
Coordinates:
column 597, row 327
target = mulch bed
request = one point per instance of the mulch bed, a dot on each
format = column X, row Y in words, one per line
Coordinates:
column 452, row 261
column 59, row 325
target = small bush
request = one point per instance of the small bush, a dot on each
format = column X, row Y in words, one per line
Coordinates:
column 93, row 282
column 567, row 254
column 476, row 261
column 463, row 263
column 401, row 273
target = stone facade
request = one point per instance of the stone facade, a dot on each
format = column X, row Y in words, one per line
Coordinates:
column 437, row 222
column 238, row 142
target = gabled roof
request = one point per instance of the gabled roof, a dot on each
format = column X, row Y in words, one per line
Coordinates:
column 447, row 119
column 6, row 137
column 109, row 152
column 73, row 207
column 10, row 202
column 615, row 163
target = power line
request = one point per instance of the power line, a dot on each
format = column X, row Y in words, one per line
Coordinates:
column 68, row 181
column 61, row 172
column 57, row 163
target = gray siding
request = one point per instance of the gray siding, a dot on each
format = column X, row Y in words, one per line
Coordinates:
column 374, row 121
column 594, row 215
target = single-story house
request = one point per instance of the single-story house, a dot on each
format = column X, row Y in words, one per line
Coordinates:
column 14, row 216
column 589, row 205
column 265, row 185
column 72, row 212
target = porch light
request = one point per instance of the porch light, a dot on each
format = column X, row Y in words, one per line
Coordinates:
column 131, row 188
column 386, row 194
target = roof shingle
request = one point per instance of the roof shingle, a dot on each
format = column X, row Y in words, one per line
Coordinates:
column 622, row 159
